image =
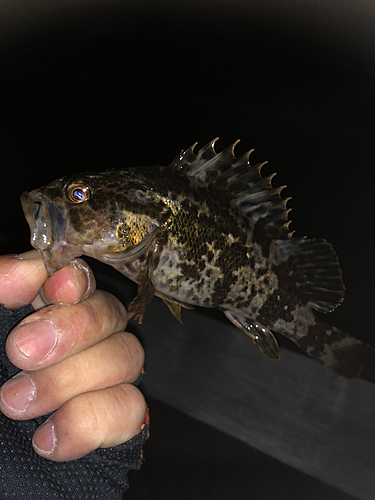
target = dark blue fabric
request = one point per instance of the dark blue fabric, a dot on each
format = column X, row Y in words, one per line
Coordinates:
column 101, row 474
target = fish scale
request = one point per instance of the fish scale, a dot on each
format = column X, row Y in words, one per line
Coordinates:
column 208, row 230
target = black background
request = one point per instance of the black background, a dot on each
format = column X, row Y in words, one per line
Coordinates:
column 97, row 85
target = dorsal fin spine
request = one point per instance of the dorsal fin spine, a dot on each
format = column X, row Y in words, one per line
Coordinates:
column 252, row 193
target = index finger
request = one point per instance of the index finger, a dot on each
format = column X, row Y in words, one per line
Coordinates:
column 71, row 284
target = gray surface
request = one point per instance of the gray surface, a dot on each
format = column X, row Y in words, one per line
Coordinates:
column 294, row 410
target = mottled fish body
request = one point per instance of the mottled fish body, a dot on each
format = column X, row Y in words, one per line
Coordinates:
column 208, row 230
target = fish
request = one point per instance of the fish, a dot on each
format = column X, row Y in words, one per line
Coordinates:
column 208, row 230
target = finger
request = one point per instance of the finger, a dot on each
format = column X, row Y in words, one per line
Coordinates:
column 71, row 284
column 21, row 277
column 113, row 361
column 54, row 333
column 97, row 419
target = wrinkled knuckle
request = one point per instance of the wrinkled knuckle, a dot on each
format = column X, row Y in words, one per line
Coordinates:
column 76, row 376
column 91, row 316
column 134, row 356
column 84, row 417
column 120, row 311
column 113, row 311
column 133, row 403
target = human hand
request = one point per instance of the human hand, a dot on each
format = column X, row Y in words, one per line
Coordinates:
column 75, row 358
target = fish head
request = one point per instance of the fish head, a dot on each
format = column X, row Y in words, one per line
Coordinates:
column 98, row 215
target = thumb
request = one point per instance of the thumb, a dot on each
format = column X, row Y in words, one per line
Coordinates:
column 21, row 277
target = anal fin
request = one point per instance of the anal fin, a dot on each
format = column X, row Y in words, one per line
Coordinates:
column 174, row 305
column 262, row 337
column 174, row 308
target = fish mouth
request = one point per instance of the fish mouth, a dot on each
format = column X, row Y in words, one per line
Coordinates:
column 48, row 225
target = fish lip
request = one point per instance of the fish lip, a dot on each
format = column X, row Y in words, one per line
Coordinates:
column 48, row 227
column 35, row 209
column 58, row 256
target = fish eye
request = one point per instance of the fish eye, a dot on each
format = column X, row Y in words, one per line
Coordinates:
column 78, row 193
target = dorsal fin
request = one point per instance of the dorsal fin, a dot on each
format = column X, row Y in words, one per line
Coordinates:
column 248, row 189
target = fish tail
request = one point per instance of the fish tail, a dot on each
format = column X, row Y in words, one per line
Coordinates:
column 335, row 348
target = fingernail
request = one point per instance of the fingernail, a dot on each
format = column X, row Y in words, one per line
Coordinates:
column 29, row 255
column 40, row 300
column 44, row 439
column 36, row 340
column 82, row 275
column 18, row 392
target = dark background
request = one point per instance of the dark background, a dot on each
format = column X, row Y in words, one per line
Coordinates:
column 97, row 85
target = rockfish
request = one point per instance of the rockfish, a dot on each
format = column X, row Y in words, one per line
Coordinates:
column 208, row 230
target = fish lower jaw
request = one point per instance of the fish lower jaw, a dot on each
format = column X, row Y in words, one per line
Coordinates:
column 56, row 257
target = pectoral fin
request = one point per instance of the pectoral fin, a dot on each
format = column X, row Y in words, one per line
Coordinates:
column 145, row 295
column 262, row 337
column 146, row 289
